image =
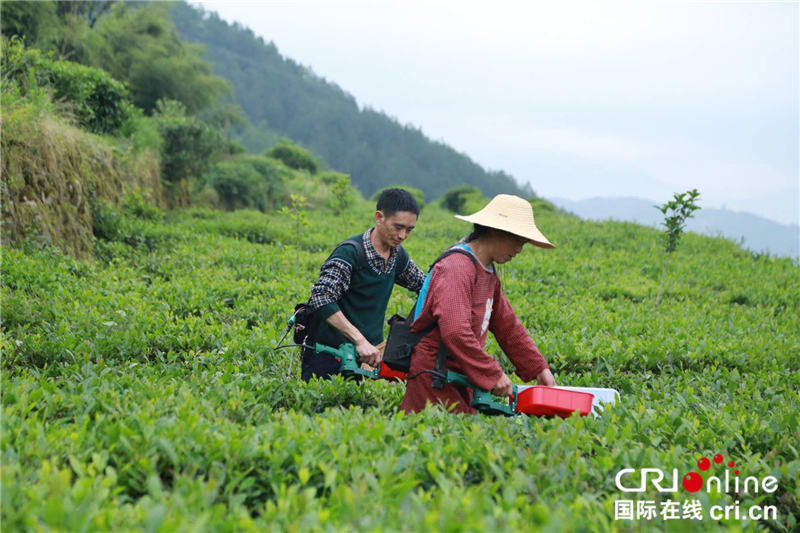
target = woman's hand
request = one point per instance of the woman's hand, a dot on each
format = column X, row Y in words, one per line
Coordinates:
column 546, row 378
column 503, row 387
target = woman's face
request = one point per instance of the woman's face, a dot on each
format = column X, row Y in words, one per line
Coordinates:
column 507, row 246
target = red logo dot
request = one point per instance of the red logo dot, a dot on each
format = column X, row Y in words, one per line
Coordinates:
column 731, row 464
column 692, row 482
column 737, row 472
column 718, row 458
column 704, row 464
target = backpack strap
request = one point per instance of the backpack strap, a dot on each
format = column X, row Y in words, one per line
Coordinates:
column 361, row 255
column 444, row 254
column 359, row 246
column 401, row 342
column 451, row 251
column 439, row 371
column 402, row 259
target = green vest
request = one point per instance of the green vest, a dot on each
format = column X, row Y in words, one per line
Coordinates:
column 365, row 301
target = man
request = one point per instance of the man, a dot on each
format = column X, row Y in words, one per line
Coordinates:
column 354, row 285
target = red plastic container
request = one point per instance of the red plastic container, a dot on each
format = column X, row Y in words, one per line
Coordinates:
column 384, row 372
column 551, row 401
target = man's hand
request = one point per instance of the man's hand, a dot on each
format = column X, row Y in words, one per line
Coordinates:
column 546, row 378
column 503, row 387
column 381, row 347
column 368, row 353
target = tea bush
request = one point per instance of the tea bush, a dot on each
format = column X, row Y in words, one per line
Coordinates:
column 143, row 391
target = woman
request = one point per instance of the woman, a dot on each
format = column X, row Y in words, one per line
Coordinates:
column 465, row 305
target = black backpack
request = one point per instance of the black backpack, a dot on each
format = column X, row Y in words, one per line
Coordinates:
column 401, row 341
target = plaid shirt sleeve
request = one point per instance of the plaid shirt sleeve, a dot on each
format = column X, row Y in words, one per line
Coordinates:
column 411, row 278
column 334, row 280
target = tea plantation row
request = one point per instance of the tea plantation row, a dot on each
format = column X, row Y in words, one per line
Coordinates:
column 142, row 391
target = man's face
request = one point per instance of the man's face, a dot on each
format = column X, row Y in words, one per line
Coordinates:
column 507, row 246
column 395, row 229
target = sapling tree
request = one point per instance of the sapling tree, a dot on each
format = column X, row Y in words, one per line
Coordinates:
column 297, row 213
column 675, row 212
column 341, row 195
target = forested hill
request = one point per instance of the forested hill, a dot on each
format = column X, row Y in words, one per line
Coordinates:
column 375, row 149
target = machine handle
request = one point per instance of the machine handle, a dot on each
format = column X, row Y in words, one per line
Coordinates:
column 483, row 400
column 321, row 348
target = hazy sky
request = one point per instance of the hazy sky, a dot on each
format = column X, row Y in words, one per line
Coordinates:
column 579, row 99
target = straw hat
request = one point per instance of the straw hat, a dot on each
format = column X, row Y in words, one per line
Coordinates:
column 512, row 214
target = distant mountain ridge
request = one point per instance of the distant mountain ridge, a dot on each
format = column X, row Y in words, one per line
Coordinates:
column 288, row 98
column 759, row 234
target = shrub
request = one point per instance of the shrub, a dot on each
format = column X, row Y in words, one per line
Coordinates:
column 113, row 225
column 680, row 208
column 463, row 200
column 23, row 110
column 118, row 233
column 331, row 177
column 246, row 180
column 187, row 149
column 106, row 222
column 101, row 104
column 238, row 185
column 267, row 168
column 342, row 198
column 136, row 205
column 293, row 156
column 235, row 147
column 190, row 146
column 143, row 132
column 298, row 213
column 418, row 195
column 207, row 197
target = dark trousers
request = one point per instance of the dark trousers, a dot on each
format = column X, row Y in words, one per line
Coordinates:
column 320, row 365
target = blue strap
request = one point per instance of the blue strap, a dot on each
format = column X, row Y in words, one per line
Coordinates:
column 421, row 299
column 424, row 291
